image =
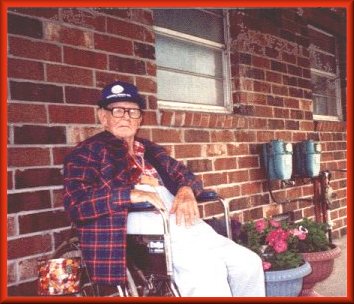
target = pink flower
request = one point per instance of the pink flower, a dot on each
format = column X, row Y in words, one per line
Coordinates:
column 300, row 233
column 276, row 236
column 261, row 225
column 266, row 265
column 280, row 246
column 274, row 223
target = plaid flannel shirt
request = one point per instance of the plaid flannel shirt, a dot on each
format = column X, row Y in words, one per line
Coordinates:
column 97, row 184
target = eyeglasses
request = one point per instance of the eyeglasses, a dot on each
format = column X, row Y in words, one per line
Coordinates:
column 119, row 112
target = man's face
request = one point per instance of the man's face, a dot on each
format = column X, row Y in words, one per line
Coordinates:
column 124, row 127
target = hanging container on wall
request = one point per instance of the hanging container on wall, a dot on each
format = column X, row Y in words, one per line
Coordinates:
column 307, row 158
column 277, row 159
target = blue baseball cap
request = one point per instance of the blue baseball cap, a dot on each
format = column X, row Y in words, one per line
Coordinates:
column 120, row 91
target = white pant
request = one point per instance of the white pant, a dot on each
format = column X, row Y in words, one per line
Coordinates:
column 205, row 264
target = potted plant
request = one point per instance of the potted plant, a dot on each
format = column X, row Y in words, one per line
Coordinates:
column 276, row 243
column 318, row 251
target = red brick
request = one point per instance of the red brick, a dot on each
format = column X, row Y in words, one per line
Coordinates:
column 58, row 200
column 280, row 90
column 185, row 151
column 245, row 136
column 258, row 123
column 35, row 222
column 251, row 188
column 130, row 30
column 292, row 125
column 225, row 164
column 256, row 174
column 151, row 68
column 24, row 26
column 263, row 136
column 59, row 153
column 141, row 16
column 26, row 201
column 281, row 113
column 36, row 92
column 247, row 161
column 34, row 49
column 116, row 12
column 11, row 273
column 79, row 95
column 150, row 118
column 215, row 150
column 261, row 62
column 25, row 69
column 263, row 111
column 273, row 77
column 71, row 114
column 26, row 246
column 200, row 165
column 22, row 157
column 113, row 44
column 39, row 135
column 146, row 85
column 237, row 149
column 291, row 103
column 48, row 13
column 38, row 177
column 144, row 50
column 212, row 209
column 239, row 204
column 230, row 191
column 295, row 92
column 213, row 179
column 11, row 226
column 24, row 289
column 196, row 136
column 261, row 87
column 167, row 118
column 222, row 136
column 82, row 18
column 25, row 113
column 278, row 66
column 85, row 58
column 28, row 269
column 127, row 65
column 68, row 74
column 68, row 35
column 276, row 124
column 78, row 134
column 104, row 78
column 285, row 135
column 166, row 135
column 290, row 58
column 9, row 180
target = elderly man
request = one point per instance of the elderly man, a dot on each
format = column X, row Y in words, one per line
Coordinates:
column 108, row 172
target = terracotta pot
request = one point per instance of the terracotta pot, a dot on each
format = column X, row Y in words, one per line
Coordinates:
column 322, row 266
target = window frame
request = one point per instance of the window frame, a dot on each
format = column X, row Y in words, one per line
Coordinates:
column 226, row 68
column 334, row 76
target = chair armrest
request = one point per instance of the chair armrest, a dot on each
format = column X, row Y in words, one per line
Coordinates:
column 207, row 195
column 142, row 206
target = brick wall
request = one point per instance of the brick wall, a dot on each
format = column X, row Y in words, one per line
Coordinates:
column 60, row 58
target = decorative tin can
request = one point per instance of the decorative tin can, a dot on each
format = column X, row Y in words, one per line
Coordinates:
column 59, row 276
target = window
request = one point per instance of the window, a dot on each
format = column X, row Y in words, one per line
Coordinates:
column 192, row 59
column 324, row 75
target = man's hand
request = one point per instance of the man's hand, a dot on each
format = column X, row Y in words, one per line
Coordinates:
column 138, row 196
column 185, row 207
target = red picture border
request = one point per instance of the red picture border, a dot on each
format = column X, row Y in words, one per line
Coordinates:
column 5, row 4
